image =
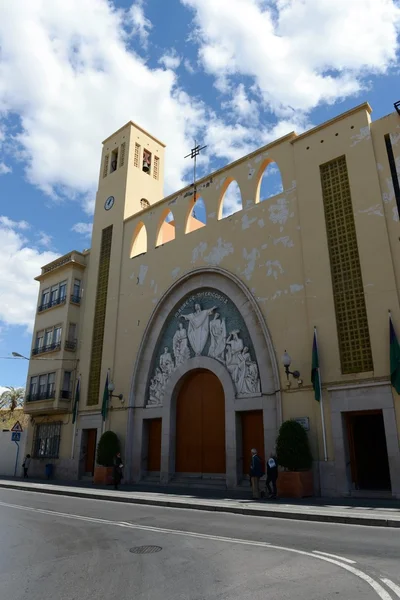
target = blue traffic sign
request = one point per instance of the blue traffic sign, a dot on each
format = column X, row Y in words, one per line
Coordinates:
column 15, row 436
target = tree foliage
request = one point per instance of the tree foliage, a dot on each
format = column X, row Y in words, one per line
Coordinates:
column 107, row 448
column 12, row 398
column 293, row 448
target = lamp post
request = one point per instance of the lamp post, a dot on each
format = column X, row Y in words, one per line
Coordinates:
column 287, row 361
column 111, row 388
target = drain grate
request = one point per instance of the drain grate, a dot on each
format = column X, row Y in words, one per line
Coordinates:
column 145, row 549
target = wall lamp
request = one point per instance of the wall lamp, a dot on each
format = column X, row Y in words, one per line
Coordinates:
column 287, row 361
column 111, row 388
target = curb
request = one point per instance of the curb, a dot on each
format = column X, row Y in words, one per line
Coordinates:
column 247, row 511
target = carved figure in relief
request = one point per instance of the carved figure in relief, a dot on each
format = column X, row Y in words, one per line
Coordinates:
column 234, row 345
column 166, row 364
column 218, row 338
column 180, row 345
column 246, row 374
column 198, row 327
column 156, row 388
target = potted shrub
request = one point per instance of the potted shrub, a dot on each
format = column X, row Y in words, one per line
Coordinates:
column 294, row 455
column 106, row 450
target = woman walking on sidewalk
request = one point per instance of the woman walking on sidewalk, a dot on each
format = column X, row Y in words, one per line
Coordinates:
column 25, row 465
column 117, row 470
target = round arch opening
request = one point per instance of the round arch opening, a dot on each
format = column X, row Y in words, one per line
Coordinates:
column 200, row 426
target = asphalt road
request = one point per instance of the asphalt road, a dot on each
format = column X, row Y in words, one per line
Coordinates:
column 78, row 549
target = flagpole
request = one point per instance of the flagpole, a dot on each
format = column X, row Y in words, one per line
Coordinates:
column 321, row 404
column 76, row 421
column 104, row 420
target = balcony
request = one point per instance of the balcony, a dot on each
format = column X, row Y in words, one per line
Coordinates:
column 56, row 302
column 49, row 348
column 65, row 395
column 48, row 394
column 70, row 345
column 75, row 299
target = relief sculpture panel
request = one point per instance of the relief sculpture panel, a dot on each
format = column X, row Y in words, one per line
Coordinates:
column 206, row 323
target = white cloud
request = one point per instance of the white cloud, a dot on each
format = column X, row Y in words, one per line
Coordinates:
column 19, row 265
column 81, row 84
column 44, row 239
column 297, row 53
column 83, row 228
column 171, row 60
column 9, row 223
column 141, row 24
column 4, row 169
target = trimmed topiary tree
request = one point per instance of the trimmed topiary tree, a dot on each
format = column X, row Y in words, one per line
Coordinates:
column 107, row 448
column 292, row 447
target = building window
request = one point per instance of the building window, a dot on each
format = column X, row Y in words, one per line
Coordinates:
column 105, row 166
column 122, row 155
column 70, row 343
column 347, row 283
column 46, row 440
column 52, row 296
column 136, row 158
column 146, row 162
column 66, row 387
column 156, row 167
column 76, row 292
column 114, row 160
column 48, row 340
column 99, row 316
column 42, row 387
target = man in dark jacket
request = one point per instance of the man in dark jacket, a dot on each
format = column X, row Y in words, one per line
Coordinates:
column 272, row 475
column 117, row 470
column 256, row 471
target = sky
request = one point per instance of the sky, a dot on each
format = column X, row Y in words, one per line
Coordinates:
column 234, row 74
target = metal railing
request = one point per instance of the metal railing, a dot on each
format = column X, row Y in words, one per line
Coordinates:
column 65, row 395
column 52, row 303
column 70, row 345
column 75, row 299
column 48, row 394
column 49, row 348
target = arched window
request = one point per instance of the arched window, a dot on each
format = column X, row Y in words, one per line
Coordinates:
column 197, row 217
column 139, row 241
column 231, row 201
column 166, row 232
column 270, row 183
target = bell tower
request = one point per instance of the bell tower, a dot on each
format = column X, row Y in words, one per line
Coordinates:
column 131, row 178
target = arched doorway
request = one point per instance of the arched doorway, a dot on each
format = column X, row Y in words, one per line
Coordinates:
column 200, row 425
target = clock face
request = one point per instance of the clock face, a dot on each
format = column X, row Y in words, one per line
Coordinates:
column 109, row 203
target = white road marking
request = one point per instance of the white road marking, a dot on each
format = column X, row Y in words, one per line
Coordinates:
column 347, row 560
column 395, row 588
column 376, row 586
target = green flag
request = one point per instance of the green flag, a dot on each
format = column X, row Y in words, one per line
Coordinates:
column 76, row 403
column 315, row 373
column 104, row 406
column 394, row 358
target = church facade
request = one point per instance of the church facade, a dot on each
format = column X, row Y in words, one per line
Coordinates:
column 176, row 320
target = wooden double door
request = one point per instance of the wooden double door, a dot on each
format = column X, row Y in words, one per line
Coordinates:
column 200, row 425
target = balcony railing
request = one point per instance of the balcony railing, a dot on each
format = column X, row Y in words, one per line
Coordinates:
column 70, row 345
column 75, row 299
column 52, row 303
column 48, row 394
column 65, row 395
column 49, row 348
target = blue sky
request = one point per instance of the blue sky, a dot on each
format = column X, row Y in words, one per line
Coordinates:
column 235, row 74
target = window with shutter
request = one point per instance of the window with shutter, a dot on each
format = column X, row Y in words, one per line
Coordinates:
column 122, row 155
column 156, row 167
column 105, row 166
column 136, row 158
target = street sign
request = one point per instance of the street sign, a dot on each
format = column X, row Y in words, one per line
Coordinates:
column 17, row 427
column 16, row 436
column 304, row 422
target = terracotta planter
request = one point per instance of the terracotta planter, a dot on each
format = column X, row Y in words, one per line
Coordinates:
column 295, row 484
column 103, row 475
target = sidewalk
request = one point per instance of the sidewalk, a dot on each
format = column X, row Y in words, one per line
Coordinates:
column 376, row 513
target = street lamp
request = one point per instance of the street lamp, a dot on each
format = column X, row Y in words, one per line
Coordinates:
column 287, row 361
column 18, row 355
column 111, row 388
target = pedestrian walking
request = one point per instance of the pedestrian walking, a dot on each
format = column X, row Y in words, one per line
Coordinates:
column 272, row 476
column 256, row 472
column 118, row 466
column 25, row 465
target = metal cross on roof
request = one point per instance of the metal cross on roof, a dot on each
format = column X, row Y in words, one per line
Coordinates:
column 194, row 153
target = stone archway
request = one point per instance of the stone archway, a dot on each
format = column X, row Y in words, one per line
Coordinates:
column 266, row 397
